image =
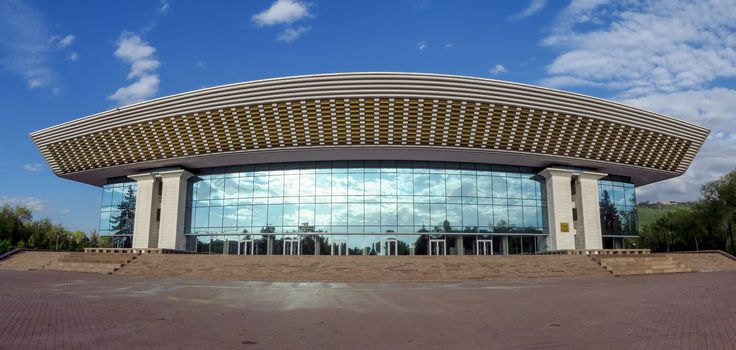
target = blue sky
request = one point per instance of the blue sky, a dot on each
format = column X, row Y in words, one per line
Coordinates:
column 64, row 60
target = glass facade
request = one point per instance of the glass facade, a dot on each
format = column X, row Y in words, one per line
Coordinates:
column 368, row 207
column 355, row 198
column 617, row 205
column 371, row 207
column 117, row 212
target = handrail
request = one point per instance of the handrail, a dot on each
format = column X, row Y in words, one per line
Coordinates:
column 18, row 250
column 10, row 253
column 136, row 251
column 713, row 251
column 596, row 252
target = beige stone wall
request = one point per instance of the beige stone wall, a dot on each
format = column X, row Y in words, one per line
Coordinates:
column 168, row 231
column 559, row 208
column 173, row 209
column 588, row 223
column 145, row 210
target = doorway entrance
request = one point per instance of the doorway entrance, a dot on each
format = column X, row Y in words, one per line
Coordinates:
column 291, row 246
column 484, row 247
column 339, row 247
column 437, row 247
column 246, row 247
column 392, row 246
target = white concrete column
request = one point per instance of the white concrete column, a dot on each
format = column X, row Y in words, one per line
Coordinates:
column 145, row 210
column 559, row 208
column 588, row 223
column 173, row 209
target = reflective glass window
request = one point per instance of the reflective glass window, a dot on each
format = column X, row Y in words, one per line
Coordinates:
column 617, row 205
column 117, row 212
column 366, row 197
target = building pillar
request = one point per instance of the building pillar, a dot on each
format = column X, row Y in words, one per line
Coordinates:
column 588, row 223
column 146, row 205
column 173, row 209
column 559, row 208
column 459, row 246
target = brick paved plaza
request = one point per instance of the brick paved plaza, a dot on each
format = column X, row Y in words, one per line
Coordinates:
column 58, row 310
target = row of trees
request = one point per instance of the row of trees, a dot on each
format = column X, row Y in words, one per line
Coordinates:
column 19, row 230
column 708, row 224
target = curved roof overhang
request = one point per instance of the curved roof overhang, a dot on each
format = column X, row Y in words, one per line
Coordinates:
column 397, row 116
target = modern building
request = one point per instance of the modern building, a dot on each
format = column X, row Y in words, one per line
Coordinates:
column 371, row 163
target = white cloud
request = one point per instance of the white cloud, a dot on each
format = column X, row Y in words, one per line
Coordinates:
column 449, row 45
column 142, row 89
column 577, row 12
column 33, row 167
column 422, row 45
column 133, row 50
column 662, row 56
column 282, row 12
column 498, row 69
column 535, row 6
column 655, row 46
column 143, row 64
column 24, row 46
column 73, row 56
column 33, row 203
column 164, row 7
column 290, row 34
column 65, row 41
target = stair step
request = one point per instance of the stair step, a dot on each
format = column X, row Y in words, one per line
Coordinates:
column 362, row 268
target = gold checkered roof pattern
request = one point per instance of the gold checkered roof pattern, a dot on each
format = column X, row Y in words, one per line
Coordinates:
column 371, row 111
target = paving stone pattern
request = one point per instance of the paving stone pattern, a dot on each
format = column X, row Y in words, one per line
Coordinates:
column 67, row 310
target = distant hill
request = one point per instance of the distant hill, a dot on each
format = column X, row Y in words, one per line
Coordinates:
column 649, row 212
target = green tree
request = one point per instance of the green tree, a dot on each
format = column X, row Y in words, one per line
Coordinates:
column 14, row 221
column 610, row 219
column 94, row 239
column 720, row 197
column 5, row 246
column 122, row 224
column 709, row 224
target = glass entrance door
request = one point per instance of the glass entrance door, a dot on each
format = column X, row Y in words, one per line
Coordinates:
column 291, row 246
column 392, row 246
column 437, row 247
column 339, row 247
column 246, row 247
column 484, row 247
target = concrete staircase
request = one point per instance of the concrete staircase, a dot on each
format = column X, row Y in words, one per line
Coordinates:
column 67, row 261
column 361, row 268
column 705, row 262
column 626, row 265
column 641, row 265
column 91, row 262
column 30, row 260
column 369, row 268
